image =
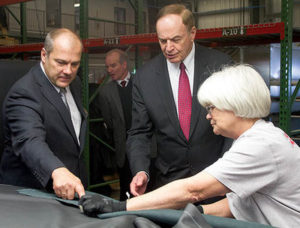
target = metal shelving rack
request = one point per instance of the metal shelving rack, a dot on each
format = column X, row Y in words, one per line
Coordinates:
column 216, row 37
column 228, row 36
column 286, row 67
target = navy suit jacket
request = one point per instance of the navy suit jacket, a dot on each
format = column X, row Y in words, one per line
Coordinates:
column 39, row 134
column 154, row 111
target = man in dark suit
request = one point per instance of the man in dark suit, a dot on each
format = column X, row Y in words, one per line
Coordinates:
column 185, row 140
column 45, row 123
column 115, row 105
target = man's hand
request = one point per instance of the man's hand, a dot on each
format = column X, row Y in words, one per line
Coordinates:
column 66, row 184
column 138, row 184
column 96, row 204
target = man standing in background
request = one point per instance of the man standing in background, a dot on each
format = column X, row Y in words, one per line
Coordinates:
column 115, row 106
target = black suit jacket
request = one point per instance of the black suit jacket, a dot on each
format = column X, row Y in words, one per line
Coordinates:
column 113, row 114
column 154, row 111
column 39, row 134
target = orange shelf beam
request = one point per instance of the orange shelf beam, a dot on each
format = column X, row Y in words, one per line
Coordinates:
column 228, row 32
column 247, row 30
column 9, row 2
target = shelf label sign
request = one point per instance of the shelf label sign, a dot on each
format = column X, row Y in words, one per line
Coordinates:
column 111, row 41
column 236, row 31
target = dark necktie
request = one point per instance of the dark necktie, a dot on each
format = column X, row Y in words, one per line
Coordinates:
column 184, row 102
column 123, row 83
column 62, row 93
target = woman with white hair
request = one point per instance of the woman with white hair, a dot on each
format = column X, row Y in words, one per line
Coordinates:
column 259, row 174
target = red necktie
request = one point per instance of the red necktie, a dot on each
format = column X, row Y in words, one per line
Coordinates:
column 184, row 102
column 123, row 83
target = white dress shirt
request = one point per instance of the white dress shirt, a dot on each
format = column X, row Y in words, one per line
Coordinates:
column 75, row 114
column 127, row 78
column 174, row 73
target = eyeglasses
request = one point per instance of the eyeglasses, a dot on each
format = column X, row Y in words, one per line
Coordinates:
column 209, row 109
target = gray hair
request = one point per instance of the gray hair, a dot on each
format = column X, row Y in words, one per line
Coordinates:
column 240, row 89
column 123, row 56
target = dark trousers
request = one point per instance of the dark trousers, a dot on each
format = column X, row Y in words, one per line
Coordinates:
column 125, row 177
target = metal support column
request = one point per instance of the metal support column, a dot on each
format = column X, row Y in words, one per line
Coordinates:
column 196, row 5
column 286, row 66
column 23, row 23
column 85, row 79
column 139, row 21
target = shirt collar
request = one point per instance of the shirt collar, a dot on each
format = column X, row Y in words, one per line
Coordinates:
column 55, row 87
column 187, row 61
column 125, row 79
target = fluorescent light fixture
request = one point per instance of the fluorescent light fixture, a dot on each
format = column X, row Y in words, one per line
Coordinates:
column 76, row 4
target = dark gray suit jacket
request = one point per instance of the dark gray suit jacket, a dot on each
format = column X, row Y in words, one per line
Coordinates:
column 112, row 112
column 154, row 111
column 39, row 134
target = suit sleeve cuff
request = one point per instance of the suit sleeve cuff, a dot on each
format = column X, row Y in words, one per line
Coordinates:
column 148, row 176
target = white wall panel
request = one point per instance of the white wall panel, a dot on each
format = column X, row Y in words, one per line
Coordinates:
column 273, row 6
column 37, row 4
column 225, row 13
column 296, row 16
column 104, row 9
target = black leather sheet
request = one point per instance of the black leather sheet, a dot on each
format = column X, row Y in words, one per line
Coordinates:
column 18, row 209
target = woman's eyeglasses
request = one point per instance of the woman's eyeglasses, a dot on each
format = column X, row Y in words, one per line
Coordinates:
column 209, row 109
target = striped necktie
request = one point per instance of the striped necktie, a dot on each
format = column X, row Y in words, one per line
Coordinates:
column 62, row 93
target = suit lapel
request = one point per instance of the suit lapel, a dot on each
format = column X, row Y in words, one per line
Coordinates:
column 166, row 94
column 200, row 74
column 54, row 98
column 77, row 98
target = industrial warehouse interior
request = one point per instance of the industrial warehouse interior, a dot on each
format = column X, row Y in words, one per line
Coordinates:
column 125, row 144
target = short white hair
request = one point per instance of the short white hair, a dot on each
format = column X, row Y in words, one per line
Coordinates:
column 240, row 89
